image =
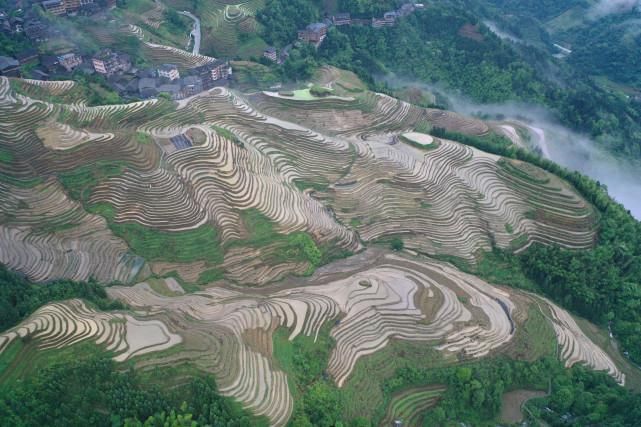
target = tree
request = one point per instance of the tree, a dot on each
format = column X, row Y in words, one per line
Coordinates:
column 397, row 244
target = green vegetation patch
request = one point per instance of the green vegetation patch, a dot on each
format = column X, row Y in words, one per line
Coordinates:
column 21, row 182
column 6, row 156
column 20, row 297
column 143, row 138
column 210, row 275
column 81, row 181
column 502, row 268
column 320, row 91
column 199, row 244
column 304, row 359
column 227, row 134
column 411, row 404
column 294, row 247
column 535, row 339
column 318, row 185
column 92, row 390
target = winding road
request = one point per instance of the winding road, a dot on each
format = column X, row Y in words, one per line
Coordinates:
column 195, row 32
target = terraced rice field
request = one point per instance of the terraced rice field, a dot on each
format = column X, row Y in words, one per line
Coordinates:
column 59, row 325
column 450, row 200
column 377, row 297
column 98, row 192
column 163, row 54
column 223, row 21
column 576, row 347
column 410, row 405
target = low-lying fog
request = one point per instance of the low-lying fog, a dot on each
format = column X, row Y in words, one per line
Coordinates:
column 554, row 141
column 622, row 177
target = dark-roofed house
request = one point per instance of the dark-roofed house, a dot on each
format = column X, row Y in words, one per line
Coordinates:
column 27, row 56
column 342, row 19
column 17, row 24
column 147, row 87
column 40, row 74
column 313, row 33
column 191, row 85
column 391, row 15
column 387, row 21
column 36, row 30
column 406, row 9
column 132, row 87
column 50, row 63
column 173, row 90
column 55, row 7
column 9, row 67
column 5, row 25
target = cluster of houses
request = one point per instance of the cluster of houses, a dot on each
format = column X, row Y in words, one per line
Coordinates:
column 72, row 7
column 29, row 25
column 130, row 82
column 167, row 79
column 120, row 73
column 316, row 32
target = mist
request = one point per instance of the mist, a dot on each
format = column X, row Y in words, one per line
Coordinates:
column 607, row 7
column 567, row 148
column 553, row 141
column 503, row 35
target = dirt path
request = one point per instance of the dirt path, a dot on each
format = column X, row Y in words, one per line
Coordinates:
column 513, row 401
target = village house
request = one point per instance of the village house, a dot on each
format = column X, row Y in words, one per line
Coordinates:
column 36, row 30
column 342, row 19
column 27, row 56
column 147, row 87
column 69, row 61
column 72, row 6
column 5, row 25
column 171, row 89
column 220, row 70
column 17, row 24
column 108, row 62
column 213, row 73
column 191, row 85
column 55, row 7
column 406, row 9
column 39, row 74
column 313, row 33
column 50, row 63
column 271, row 53
column 168, row 71
column 9, row 67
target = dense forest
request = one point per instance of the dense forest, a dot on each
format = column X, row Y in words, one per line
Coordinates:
column 19, row 297
column 93, row 392
column 448, row 46
column 609, row 47
column 473, row 391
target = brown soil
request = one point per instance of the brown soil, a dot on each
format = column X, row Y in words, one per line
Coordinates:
column 512, row 402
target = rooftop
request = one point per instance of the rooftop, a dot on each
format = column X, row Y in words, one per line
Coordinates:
column 316, row 26
column 147, row 82
column 168, row 67
column 7, row 62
